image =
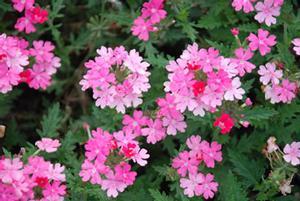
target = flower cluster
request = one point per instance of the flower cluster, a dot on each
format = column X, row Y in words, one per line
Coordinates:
column 266, row 10
column 37, row 179
column 117, row 77
column 276, row 88
column 32, row 15
column 14, row 57
column 186, row 163
column 152, row 13
column 201, row 79
column 107, row 160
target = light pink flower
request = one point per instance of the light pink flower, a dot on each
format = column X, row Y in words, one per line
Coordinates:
column 286, row 92
column 135, row 123
column 54, row 191
column 235, row 92
column 208, row 187
column 246, row 5
column 266, row 12
column 184, row 164
column 211, row 153
column 292, row 153
column 269, row 74
column 11, row 170
column 48, row 145
column 140, row 157
column 241, row 59
column 191, row 184
column 262, row 41
column 20, row 5
column 296, row 43
column 89, row 172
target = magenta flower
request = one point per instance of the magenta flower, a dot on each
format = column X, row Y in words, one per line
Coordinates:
column 262, row 41
column 246, row 5
column 211, row 153
column 54, row 191
column 287, row 91
column 141, row 28
column 24, row 24
column 184, row 164
column 89, row 172
column 135, row 123
column 292, row 153
column 20, row 5
column 269, row 74
column 208, row 187
column 266, row 12
column 113, row 185
column 154, row 131
column 48, row 145
column 154, row 10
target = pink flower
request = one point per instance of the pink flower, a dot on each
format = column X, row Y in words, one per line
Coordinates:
column 56, row 172
column 11, row 170
column 141, row 28
column 38, row 15
column 211, row 153
column 48, row 145
column 292, row 153
column 235, row 92
column 269, row 73
column 135, row 123
column 123, row 173
column 248, row 102
column 24, row 24
column 208, row 187
column 191, row 185
column 241, row 59
column 246, row 5
column 209, row 59
column 266, row 12
column 184, row 164
column 235, row 31
column 286, row 92
column 262, row 42
column 90, row 171
column 20, row 5
column 54, row 191
column 140, row 157
column 113, row 186
column 154, row 131
column 38, row 78
column 296, row 43
column 278, row 2
column 154, row 10
column 42, row 51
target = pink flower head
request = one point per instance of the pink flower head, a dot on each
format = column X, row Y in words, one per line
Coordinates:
column 269, row 73
column 262, row 41
column 207, row 187
column 154, row 10
column 191, row 184
column 11, row 170
column 248, row 102
column 225, row 123
column 48, row 145
column 42, row 51
column 154, row 131
column 241, row 59
column 20, row 5
column 278, row 2
column 266, row 12
column 286, row 92
column 246, row 5
column 141, row 28
column 54, row 191
column 235, row 92
column 296, row 43
column 184, row 164
column 211, row 153
column 209, row 59
column 292, row 153
column 90, row 171
column 235, row 31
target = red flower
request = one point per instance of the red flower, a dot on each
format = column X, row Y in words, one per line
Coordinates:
column 225, row 123
column 193, row 67
column 38, row 15
column 42, row 181
column 26, row 76
column 199, row 87
column 129, row 150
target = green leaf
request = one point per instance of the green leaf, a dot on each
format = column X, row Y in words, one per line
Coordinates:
column 259, row 113
column 157, row 196
column 250, row 170
column 51, row 122
column 231, row 189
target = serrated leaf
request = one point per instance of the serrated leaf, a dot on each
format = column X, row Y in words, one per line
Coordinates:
column 157, row 196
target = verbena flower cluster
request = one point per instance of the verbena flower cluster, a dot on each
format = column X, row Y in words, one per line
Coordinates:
column 15, row 55
column 187, row 163
column 117, row 77
column 201, row 79
column 267, row 10
column 152, row 13
column 32, row 15
column 107, row 160
column 37, row 179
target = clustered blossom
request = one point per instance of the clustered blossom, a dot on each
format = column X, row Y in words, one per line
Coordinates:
column 14, row 63
column 117, row 77
column 201, row 79
column 32, row 15
column 186, row 163
column 107, row 158
column 38, row 179
column 277, row 89
column 267, row 10
column 152, row 13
